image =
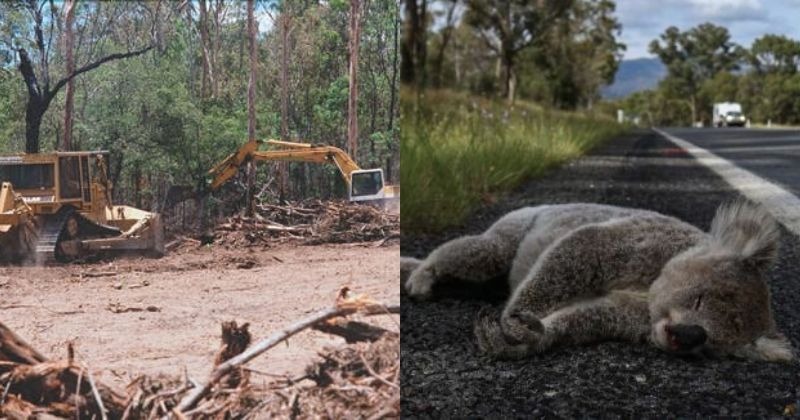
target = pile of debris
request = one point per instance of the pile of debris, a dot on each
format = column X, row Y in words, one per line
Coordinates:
column 309, row 222
column 357, row 380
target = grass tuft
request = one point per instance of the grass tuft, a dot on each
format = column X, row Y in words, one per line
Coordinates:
column 459, row 151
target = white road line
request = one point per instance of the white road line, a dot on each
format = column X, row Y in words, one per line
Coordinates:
column 782, row 204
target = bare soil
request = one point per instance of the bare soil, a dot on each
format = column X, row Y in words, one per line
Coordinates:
column 134, row 316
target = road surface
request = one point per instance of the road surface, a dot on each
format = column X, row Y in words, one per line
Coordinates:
column 771, row 154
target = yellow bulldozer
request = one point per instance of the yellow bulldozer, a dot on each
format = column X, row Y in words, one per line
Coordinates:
column 57, row 207
column 363, row 185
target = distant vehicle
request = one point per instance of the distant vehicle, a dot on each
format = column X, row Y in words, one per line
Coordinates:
column 728, row 114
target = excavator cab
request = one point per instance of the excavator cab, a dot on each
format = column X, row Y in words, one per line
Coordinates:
column 366, row 184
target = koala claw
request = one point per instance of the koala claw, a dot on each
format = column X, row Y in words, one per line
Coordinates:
column 521, row 327
column 492, row 341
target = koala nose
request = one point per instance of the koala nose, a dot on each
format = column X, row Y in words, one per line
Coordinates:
column 686, row 337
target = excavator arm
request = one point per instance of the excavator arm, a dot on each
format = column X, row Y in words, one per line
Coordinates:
column 287, row 152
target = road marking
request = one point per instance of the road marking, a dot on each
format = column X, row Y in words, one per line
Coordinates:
column 782, row 204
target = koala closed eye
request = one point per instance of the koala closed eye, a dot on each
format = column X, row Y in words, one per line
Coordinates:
column 698, row 302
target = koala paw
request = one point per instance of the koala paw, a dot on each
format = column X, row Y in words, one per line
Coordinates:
column 420, row 283
column 520, row 326
column 493, row 342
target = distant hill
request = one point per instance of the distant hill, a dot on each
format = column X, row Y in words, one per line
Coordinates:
column 635, row 75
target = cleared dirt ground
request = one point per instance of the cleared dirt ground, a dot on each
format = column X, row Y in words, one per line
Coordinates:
column 137, row 316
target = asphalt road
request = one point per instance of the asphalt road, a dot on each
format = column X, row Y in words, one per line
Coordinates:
column 444, row 376
column 771, row 154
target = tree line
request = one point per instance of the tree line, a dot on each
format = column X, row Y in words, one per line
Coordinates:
column 164, row 85
column 555, row 52
column 705, row 67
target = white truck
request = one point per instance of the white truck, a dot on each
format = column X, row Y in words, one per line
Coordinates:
column 728, row 114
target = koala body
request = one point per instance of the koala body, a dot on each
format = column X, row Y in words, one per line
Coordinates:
column 582, row 273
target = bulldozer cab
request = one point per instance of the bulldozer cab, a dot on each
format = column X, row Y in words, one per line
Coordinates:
column 48, row 181
column 366, row 184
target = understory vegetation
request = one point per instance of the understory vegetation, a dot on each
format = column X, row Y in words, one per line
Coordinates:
column 460, row 151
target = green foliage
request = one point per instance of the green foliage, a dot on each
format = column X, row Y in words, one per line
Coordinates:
column 12, row 117
column 775, row 53
column 554, row 52
column 460, row 150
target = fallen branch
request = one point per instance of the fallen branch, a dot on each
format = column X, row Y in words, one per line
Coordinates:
column 342, row 309
column 91, row 274
column 374, row 374
column 14, row 349
column 95, row 393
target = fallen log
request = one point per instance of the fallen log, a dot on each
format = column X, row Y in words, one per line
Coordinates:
column 341, row 309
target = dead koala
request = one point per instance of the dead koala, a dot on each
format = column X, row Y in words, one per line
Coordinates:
column 582, row 273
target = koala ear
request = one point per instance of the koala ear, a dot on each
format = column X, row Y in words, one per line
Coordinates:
column 748, row 230
column 774, row 348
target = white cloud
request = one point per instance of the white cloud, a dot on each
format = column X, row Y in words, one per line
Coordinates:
column 729, row 10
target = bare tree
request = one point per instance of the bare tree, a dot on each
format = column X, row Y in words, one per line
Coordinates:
column 40, row 92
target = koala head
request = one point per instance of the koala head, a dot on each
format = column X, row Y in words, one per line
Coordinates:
column 714, row 296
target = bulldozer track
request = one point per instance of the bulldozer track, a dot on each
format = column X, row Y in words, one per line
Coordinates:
column 50, row 233
column 53, row 231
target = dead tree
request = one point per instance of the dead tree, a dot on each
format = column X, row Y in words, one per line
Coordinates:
column 40, row 92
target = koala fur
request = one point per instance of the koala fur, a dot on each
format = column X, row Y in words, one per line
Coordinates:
column 582, row 273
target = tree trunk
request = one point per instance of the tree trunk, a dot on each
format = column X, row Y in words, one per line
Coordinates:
column 285, row 23
column 352, row 104
column 393, row 87
column 216, row 46
column 407, row 47
column 507, row 64
column 446, row 35
column 251, row 104
column 33, row 122
column 69, row 39
column 202, row 24
column 414, row 46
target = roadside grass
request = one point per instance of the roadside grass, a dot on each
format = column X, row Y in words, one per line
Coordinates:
column 459, row 151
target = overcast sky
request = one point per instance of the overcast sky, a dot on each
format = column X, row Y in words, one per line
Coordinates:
column 644, row 20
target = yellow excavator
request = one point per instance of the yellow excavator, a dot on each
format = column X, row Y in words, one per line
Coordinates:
column 363, row 185
column 57, row 207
